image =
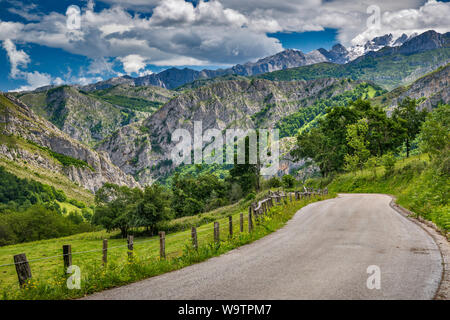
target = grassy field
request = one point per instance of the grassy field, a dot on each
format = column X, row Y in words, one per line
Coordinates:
column 48, row 279
column 414, row 182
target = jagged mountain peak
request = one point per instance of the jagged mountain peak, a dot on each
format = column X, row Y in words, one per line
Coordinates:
column 289, row 58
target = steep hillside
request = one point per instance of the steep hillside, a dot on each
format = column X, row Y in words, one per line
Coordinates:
column 144, row 149
column 36, row 144
column 429, row 90
column 90, row 118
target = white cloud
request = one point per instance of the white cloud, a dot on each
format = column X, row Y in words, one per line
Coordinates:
column 215, row 32
column 145, row 73
column 432, row 15
column 17, row 58
column 35, row 80
column 86, row 80
column 100, row 66
column 133, row 63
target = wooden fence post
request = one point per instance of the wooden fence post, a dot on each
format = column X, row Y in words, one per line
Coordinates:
column 216, row 232
column 241, row 222
column 130, row 242
column 250, row 221
column 230, row 225
column 290, row 196
column 194, row 238
column 67, row 256
column 105, row 251
column 162, row 244
column 22, row 268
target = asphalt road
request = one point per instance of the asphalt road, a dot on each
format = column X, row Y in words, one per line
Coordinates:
column 322, row 253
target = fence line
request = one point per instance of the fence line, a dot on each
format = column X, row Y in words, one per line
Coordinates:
column 256, row 210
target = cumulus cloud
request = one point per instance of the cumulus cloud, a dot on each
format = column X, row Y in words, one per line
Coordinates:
column 215, row 32
column 133, row 63
column 35, row 80
column 17, row 58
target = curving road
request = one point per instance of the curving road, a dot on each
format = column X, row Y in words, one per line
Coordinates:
column 322, row 253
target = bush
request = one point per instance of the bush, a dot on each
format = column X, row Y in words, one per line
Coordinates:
column 274, row 182
column 288, row 181
column 388, row 161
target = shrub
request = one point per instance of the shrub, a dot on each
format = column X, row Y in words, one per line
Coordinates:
column 388, row 161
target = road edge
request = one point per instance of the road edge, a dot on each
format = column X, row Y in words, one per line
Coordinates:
column 443, row 291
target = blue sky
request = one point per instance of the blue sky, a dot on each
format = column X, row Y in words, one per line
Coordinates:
column 118, row 37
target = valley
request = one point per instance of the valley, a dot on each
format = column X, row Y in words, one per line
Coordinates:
column 94, row 160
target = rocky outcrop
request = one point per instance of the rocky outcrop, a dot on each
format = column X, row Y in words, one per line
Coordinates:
column 430, row 90
column 17, row 120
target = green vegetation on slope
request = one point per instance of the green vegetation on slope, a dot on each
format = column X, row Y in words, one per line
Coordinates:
column 290, row 125
column 30, row 210
column 137, row 104
column 26, row 170
column 388, row 71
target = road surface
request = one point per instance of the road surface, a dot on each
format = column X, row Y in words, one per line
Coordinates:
column 322, row 253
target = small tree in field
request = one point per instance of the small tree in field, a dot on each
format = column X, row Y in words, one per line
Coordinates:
column 388, row 160
column 115, row 207
column 371, row 164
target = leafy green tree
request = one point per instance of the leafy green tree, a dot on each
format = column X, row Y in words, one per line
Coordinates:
column 327, row 143
column 153, row 208
column 193, row 194
column 247, row 175
column 412, row 118
column 357, row 141
column 274, row 182
column 115, row 207
column 388, row 161
column 435, row 137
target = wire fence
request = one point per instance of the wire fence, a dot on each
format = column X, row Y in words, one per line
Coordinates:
column 162, row 247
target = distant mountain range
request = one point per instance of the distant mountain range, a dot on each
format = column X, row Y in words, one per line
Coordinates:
column 290, row 58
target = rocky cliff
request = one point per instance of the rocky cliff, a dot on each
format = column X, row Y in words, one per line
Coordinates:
column 430, row 90
column 144, row 149
column 32, row 139
column 91, row 117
